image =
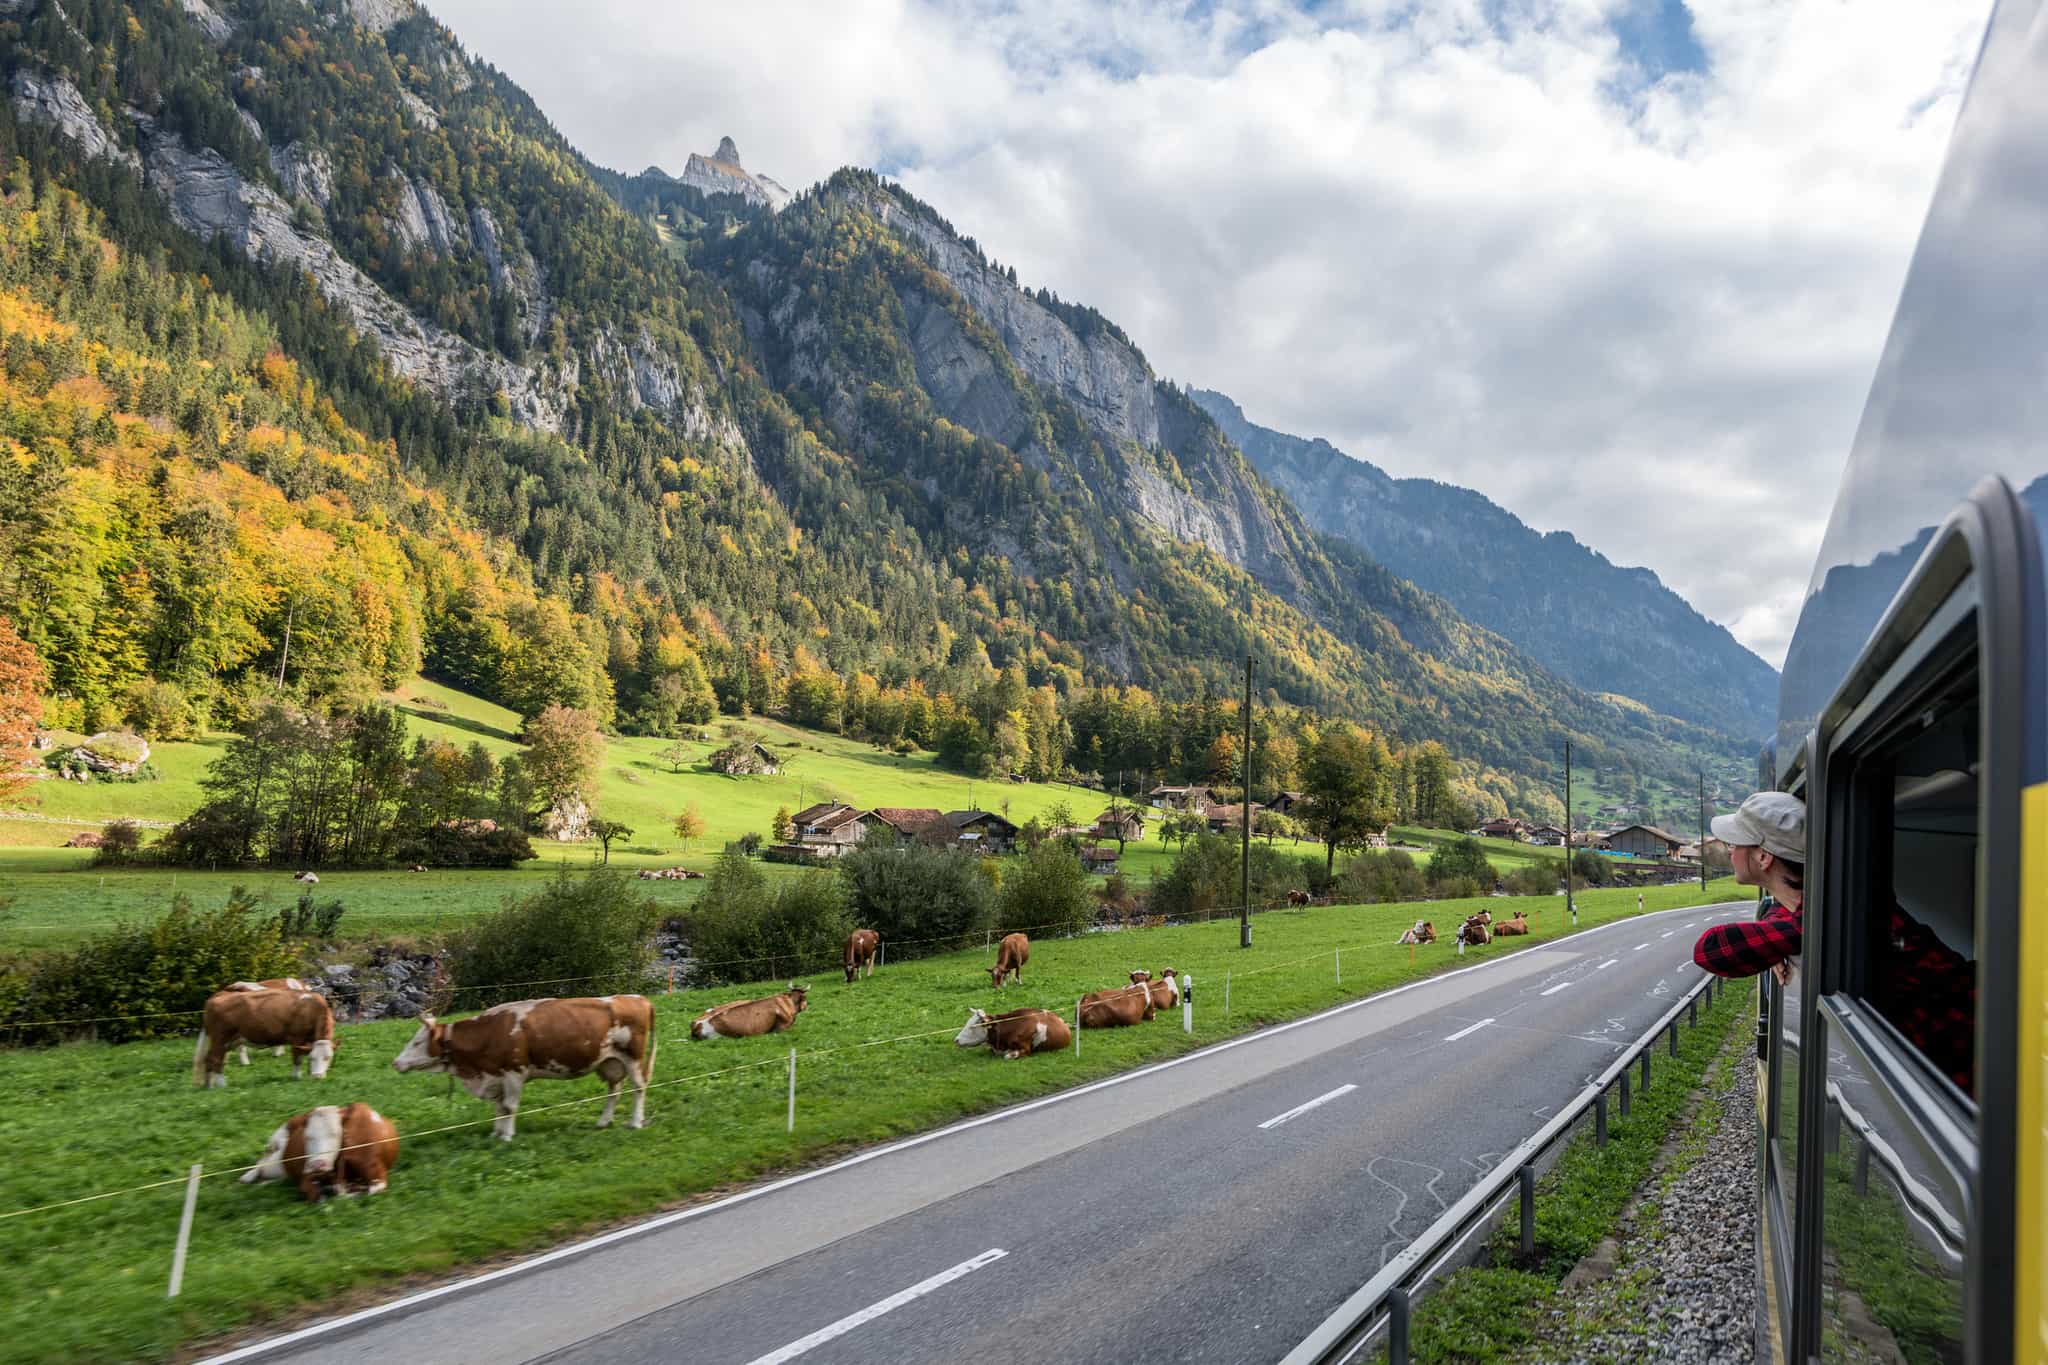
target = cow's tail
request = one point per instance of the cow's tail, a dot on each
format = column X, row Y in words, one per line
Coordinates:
column 199, row 1058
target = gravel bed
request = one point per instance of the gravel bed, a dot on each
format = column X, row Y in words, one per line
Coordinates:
column 1683, row 1287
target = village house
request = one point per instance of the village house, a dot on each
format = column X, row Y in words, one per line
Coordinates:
column 829, row 828
column 907, row 822
column 1549, row 835
column 1284, row 804
column 1121, row 822
column 978, row 830
column 1227, row 819
column 1504, row 827
column 1644, row 841
column 1099, row 858
column 1197, row 799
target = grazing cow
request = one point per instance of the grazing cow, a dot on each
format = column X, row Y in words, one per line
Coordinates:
column 1165, row 988
column 341, row 1149
column 495, row 1053
column 861, row 947
column 1476, row 931
column 750, row 1018
column 307, row 877
column 1422, row 931
column 298, row 1019
column 1011, row 955
column 1117, row 1008
column 275, row 983
column 1297, row 898
column 1015, row 1033
column 1517, row 925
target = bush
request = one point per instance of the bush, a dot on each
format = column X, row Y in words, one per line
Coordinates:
column 1381, row 878
column 1537, row 879
column 1462, row 858
column 1203, row 878
column 913, row 893
column 160, row 968
column 1461, row 888
column 307, row 920
column 1590, row 869
column 119, row 840
column 158, row 709
column 741, row 929
column 465, row 843
column 750, row 843
column 1046, row 893
column 582, row 934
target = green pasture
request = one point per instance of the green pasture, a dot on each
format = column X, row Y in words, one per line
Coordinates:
column 88, row 1278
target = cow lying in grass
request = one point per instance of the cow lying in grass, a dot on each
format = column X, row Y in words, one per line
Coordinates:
column 1165, row 987
column 750, row 1018
column 336, row 1149
column 1477, row 930
column 1015, row 1033
column 496, row 1052
column 298, row 1019
column 1422, row 931
column 1508, row 927
column 1119, row 1008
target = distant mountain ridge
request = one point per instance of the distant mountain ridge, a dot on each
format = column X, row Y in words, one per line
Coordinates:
column 1599, row 625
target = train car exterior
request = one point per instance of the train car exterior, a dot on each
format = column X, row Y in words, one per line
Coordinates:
column 1903, row 1070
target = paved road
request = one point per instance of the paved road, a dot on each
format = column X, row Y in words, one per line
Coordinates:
column 1214, row 1208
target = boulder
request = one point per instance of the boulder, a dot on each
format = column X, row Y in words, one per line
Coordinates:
column 567, row 821
column 119, row 753
column 83, row 839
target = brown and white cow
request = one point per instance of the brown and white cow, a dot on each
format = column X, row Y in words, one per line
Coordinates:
column 1165, row 987
column 1517, row 925
column 1011, row 955
column 1015, row 1033
column 861, row 947
column 1477, row 930
column 1297, row 898
column 495, row 1053
column 750, row 1018
column 300, row 1020
column 341, row 1149
column 274, row 983
column 1422, row 931
column 1117, row 1008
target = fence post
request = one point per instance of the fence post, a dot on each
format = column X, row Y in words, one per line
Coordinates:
column 1340, row 966
column 1526, row 1178
column 671, row 978
column 184, row 1232
column 791, row 1126
column 1397, row 1326
column 1077, row 1026
column 881, row 955
column 1624, row 1092
column 1600, row 1120
column 1187, row 1005
column 1226, row 995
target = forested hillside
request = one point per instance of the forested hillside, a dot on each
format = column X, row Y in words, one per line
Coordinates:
column 341, row 343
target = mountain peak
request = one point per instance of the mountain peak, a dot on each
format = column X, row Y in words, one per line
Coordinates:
column 721, row 173
column 727, row 152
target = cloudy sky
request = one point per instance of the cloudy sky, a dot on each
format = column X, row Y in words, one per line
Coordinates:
column 1625, row 266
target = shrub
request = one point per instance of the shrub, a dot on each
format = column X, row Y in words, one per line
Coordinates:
column 159, row 710
column 914, row 893
column 464, row 843
column 156, row 970
column 119, row 839
column 1380, row 878
column 1537, row 879
column 1046, row 893
column 1460, row 858
column 307, row 920
column 750, row 843
column 1590, row 869
column 1203, row 877
column 1460, row 888
column 744, row 930
column 581, row 934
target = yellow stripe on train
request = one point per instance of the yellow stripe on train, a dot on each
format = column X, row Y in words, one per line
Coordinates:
column 2030, row 1234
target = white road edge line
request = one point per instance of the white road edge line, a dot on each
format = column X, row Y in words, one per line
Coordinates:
column 320, row 1329
column 875, row 1310
column 1562, row 985
column 1608, row 963
column 1298, row 1110
column 1463, row 1031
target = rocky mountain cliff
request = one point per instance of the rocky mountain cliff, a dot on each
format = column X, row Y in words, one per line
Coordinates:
column 1600, row 625
column 721, row 173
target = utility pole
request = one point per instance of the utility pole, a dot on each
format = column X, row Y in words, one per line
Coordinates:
column 1571, row 906
column 1702, row 843
column 1244, row 811
column 291, row 610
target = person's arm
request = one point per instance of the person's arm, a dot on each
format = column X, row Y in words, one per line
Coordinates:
column 1747, row 947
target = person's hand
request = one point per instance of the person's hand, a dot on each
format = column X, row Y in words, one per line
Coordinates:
column 1784, row 972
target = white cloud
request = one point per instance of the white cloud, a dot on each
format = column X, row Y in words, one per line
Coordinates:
column 1451, row 241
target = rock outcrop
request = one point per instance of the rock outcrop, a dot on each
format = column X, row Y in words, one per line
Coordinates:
column 305, row 172
column 214, row 25
column 721, row 173
column 55, row 101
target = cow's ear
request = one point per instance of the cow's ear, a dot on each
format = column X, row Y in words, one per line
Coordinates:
column 427, row 1019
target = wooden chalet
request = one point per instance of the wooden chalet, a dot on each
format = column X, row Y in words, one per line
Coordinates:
column 1644, row 841
column 1121, row 822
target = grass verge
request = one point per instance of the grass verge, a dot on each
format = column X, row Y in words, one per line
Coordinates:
column 88, row 1279
column 1493, row 1312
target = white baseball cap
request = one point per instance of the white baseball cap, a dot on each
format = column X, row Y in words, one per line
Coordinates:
column 1772, row 821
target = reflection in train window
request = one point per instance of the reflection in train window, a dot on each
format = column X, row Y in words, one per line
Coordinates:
column 1912, row 939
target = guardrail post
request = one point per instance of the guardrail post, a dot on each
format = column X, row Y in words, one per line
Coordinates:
column 1397, row 1327
column 1600, row 1120
column 1624, row 1092
column 1672, row 1033
column 1863, row 1167
column 1832, row 1130
column 1646, row 1069
column 1692, row 1012
column 1526, row 1177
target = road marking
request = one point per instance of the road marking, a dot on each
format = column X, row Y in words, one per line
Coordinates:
column 1608, row 963
column 1690, row 923
column 875, row 1310
column 1555, row 989
column 1298, row 1110
column 1639, row 947
column 1667, row 935
column 1463, row 1031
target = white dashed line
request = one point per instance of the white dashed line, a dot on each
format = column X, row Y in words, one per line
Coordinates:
column 1639, row 947
column 1555, row 989
column 1463, row 1031
column 1608, row 963
column 1667, row 935
column 1298, row 1110
column 875, row 1310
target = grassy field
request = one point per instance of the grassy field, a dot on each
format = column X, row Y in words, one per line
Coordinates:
column 89, row 1277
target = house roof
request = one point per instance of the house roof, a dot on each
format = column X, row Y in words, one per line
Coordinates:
column 961, row 819
column 1231, row 812
column 1121, row 813
column 825, row 815
column 1171, row 791
column 908, row 819
column 1652, row 830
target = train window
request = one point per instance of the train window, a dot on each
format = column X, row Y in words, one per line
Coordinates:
column 1911, row 927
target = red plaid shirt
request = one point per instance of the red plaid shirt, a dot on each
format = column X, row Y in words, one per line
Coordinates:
column 1927, row 989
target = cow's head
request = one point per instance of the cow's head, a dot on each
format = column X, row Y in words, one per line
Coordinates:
column 321, row 1056
column 1172, row 980
column 796, row 997
column 323, row 1139
column 1139, row 974
column 975, row 1033
column 428, row 1049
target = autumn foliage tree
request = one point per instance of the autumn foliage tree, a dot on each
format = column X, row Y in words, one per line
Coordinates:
column 563, row 750
column 689, row 824
column 21, row 709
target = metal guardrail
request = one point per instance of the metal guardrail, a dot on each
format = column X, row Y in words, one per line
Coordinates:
column 1385, row 1301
